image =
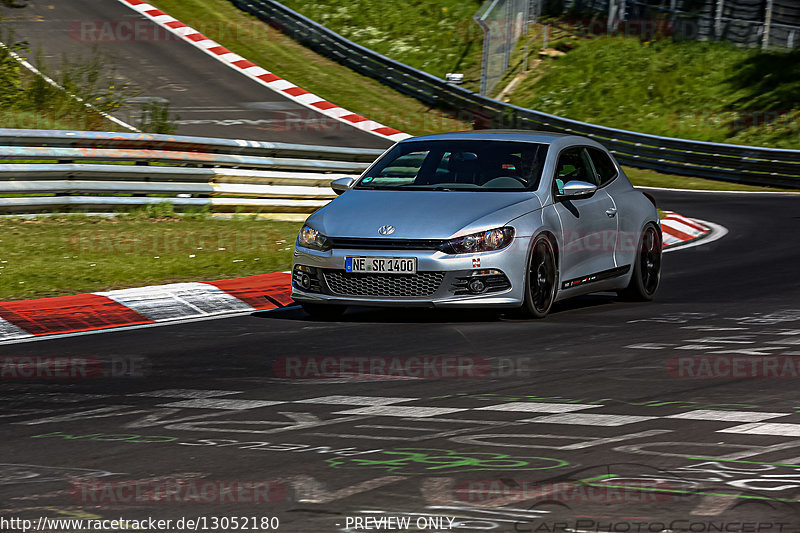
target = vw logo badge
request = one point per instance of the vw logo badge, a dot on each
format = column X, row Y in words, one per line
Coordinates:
column 386, row 230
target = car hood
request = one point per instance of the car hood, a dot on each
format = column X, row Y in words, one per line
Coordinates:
column 420, row 214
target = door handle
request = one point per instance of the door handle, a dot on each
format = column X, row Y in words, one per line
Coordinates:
column 611, row 212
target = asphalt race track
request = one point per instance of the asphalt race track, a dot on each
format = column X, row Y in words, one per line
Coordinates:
column 677, row 415
column 211, row 99
column 601, row 417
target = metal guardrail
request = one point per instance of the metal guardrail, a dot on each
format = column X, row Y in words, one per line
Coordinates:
column 221, row 174
column 100, row 139
column 166, row 156
column 729, row 162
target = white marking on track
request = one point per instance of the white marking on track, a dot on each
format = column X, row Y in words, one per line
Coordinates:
column 396, row 410
column 356, row 400
column 186, row 393
column 783, row 430
column 696, row 347
column 211, row 403
column 650, row 345
column 590, row 419
column 754, row 351
column 728, row 416
column 536, row 407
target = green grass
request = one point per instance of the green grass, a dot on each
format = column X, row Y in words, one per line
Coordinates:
column 707, row 91
column 27, row 101
column 39, row 121
column 247, row 36
column 51, row 256
column 650, row 178
column 437, row 36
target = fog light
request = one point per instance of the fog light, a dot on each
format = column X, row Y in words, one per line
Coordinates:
column 477, row 286
column 486, row 272
column 305, row 281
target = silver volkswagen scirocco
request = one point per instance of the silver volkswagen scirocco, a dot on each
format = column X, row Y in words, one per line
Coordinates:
column 506, row 219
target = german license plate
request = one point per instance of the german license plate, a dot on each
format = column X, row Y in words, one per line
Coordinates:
column 381, row 265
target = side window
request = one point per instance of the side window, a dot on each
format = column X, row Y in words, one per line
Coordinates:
column 604, row 166
column 573, row 164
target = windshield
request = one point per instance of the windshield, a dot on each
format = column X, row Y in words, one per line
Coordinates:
column 468, row 165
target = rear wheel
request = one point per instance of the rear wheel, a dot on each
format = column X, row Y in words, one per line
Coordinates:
column 324, row 311
column 541, row 279
column 646, row 268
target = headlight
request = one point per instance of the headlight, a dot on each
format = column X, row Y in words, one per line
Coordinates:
column 311, row 238
column 484, row 241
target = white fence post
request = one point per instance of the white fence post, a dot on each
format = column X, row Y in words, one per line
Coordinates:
column 767, row 23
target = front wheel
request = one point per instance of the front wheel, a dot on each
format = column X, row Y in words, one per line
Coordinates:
column 646, row 268
column 324, row 311
column 541, row 279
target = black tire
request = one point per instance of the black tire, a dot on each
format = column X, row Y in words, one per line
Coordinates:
column 324, row 311
column 646, row 268
column 541, row 279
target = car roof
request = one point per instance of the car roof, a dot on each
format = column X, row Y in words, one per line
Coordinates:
column 545, row 137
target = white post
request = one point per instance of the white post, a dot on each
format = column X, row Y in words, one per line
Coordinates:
column 767, row 22
column 718, row 21
column 612, row 14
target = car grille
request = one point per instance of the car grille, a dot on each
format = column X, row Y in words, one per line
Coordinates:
column 385, row 244
column 383, row 285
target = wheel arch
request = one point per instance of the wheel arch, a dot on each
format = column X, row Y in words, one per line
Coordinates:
column 554, row 243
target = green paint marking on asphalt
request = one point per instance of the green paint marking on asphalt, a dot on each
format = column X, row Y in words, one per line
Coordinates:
column 433, row 459
column 737, row 461
column 604, row 476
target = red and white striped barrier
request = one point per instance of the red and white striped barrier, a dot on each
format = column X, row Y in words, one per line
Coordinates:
column 143, row 305
column 262, row 76
column 677, row 229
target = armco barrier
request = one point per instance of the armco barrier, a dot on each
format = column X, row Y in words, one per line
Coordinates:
column 744, row 164
column 101, row 139
column 84, row 173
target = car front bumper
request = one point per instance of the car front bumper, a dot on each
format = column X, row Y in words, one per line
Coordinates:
column 332, row 283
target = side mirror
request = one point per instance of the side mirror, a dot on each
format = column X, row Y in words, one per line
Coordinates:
column 341, row 185
column 575, row 190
